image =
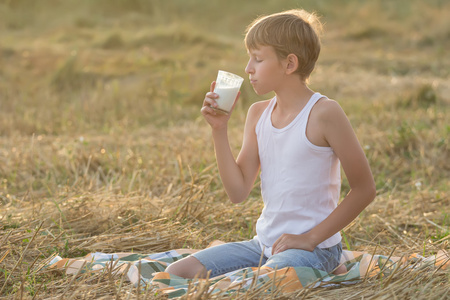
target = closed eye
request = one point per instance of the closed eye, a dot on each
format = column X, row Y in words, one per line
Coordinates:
column 257, row 58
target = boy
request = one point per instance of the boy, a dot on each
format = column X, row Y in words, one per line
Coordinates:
column 298, row 140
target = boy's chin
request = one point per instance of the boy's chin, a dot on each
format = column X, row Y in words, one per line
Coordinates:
column 259, row 92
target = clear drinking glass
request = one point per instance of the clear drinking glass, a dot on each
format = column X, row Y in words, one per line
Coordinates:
column 227, row 87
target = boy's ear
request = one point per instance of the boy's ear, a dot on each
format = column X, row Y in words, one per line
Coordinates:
column 292, row 63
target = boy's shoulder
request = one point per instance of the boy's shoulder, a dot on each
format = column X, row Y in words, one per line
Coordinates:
column 259, row 107
column 326, row 106
column 327, row 110
column 256, row 109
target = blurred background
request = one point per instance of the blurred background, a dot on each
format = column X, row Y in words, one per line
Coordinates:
column 103, row 64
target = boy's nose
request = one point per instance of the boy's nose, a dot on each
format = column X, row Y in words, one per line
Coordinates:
column 248, row 69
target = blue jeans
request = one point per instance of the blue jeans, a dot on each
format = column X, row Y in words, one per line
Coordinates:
column 229, row 257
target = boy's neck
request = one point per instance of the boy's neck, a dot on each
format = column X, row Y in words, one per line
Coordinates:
column 293, row 94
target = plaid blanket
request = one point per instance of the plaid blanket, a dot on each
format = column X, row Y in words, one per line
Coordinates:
column 147, row 270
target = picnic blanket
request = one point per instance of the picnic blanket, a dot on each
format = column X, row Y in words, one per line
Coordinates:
column 147, row 271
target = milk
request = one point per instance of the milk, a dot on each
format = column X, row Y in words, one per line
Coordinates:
column 227, row 87
column 227, row 95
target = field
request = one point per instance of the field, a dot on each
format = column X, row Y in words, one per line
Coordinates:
column 103, row 148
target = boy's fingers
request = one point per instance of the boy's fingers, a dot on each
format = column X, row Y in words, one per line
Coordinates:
column 207, row 110
column 210, row 100
column 274, row 246
column 213, row 85
column 211, row 95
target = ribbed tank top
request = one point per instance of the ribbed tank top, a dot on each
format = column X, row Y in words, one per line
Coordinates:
column 300, row 182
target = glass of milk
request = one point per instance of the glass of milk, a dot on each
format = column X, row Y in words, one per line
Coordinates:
column 227, row 87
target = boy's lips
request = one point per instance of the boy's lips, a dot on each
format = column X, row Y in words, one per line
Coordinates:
column 252, row 81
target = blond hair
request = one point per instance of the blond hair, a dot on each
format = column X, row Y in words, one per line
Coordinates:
column 293, row 31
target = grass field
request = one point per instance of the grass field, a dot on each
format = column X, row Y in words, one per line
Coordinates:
column 102, row 146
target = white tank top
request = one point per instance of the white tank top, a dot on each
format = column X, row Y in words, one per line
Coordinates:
column 300, row 182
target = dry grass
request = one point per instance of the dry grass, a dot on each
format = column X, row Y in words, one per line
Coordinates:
column 102, row 147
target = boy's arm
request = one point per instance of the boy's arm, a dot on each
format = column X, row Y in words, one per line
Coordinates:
column 238, row 176
column 339, row 134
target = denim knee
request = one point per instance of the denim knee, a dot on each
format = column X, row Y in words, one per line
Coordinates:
column 325, row 259
column 229, row 257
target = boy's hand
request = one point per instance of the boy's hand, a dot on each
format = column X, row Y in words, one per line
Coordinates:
column 293, row 241
column 216, row 119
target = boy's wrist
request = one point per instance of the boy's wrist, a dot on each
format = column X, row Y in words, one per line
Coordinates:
column 313, row 239
column 219, row 130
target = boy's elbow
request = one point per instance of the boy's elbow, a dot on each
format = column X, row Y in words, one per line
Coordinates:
column 237, row 195
column 236, row 200
column 371, row 192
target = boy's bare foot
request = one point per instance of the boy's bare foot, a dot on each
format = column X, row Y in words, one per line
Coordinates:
column 340, row 270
